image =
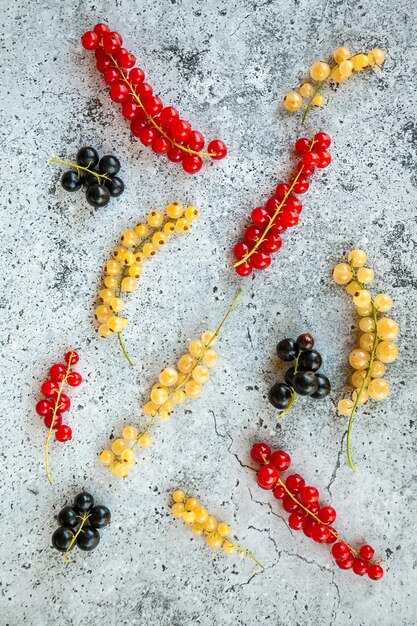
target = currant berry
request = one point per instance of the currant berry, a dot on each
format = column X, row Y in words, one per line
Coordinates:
column 279, row 492
column 90, row 40
column 296, row 521
column 295, row 483
column 280, row 460
column 63, row 433
column 289, row 505
column 375, row 571
column 260, row 452
column 340, row 551
column 217, row 150
column 267, row 476
column 305, row 383
column 305, row 342
column 287, row 350
column 70, row 181
column 280, row 396
column 44, row 408
column 310, row 361
column 322, row 141
column 309, row 495
column 61, row 539
column 360, row 567
column 366, row 552
column 58, row 372
column 302, row 145
column 327, row 514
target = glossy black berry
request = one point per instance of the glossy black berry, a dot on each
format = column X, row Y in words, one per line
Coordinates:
column 289, row 375
column 97, row 195
column 88, row 539
column 61, row 538
column 87, row 157
column 99, row 516
column 323, row 388
column 305, row 383
column 83, row 502
column 309, row 361
column 115, row 186
column 71, row 181
column 287, row 350
column 305, row 342
column 109, row 165
column 68, row 516
column 90, row 179
column 280, row 396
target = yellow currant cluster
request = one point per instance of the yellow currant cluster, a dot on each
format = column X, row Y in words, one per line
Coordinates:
column 176, row 384
column 376, row 346
column 121, row 457
column 123, row 270
column 342, row 66
column 202, row 524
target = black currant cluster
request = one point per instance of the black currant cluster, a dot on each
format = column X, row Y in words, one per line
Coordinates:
column 81, row 520
column 100, row 181
column 303, row 377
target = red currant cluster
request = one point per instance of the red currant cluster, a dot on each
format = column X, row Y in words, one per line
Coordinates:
column 263, row 237
column 153, row 124
column 301, row 501
column 56, row 402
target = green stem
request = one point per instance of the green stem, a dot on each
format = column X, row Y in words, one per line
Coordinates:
column 79, row 167
column 83, row 518
column 119, row 336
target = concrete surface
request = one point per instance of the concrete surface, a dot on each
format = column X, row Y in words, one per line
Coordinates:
column 226, row 65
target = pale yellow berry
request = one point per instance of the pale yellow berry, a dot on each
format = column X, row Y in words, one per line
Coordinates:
column 174, row 210
column 378, row 55
column 318, row 100
column 342, row 273
column 188, row 517
column 345, row 406
column 360, row 61
column 182, row 225
column 186, row 363
column 387, row 329
column 378, row 389
column 377, row 369
column 319, row 71
column 159, row 396
column 139, row 258
column 113, row 267
column 360, row 398
column 223, row 529
column 365, row 275
column 129, row 457
column 352, row 288
column 125, row 322
column 210, row 524
column 179, row 396
column 149, row 250
column 128, row 259
column 129, row 238
column 306, row 90
column 118, row 446
column 201, row 515
column 196, row 530
column 364, row 311
column 106, row 457
column 110, row 282
column 337, row 76
column 142, row 230
column 367, row 341
column 121, row 470
column 130, row 433
column 135, row 270
column 150, row 409
column 383, row 302
column 358, row 377
column 104, row 331
column 208, row 337
column 177, row 509
column 191, row 504
column 214, row 540
column 178, row 495
column 359, row 358
column 387, row 352
column 159, row 239
column 371, row 59
column 293, row 101
column 357, row 257
column 115, row 323
column 106, row 295
column 367, row 324
column 191, row 213
column 181, row 378
column 228, row 547
column 340, row 54
column 119, row 252
column 164, row 415
column 128, row 284
column 116, row 305
column 169, row 228
column 168, row 376
column 193, row 389
column 346, row 68
column 210, row 358
column 196, row 348
column 201, row 374
column 145, row 441
column 101, row 313
column 155, row 219
column 362, row 298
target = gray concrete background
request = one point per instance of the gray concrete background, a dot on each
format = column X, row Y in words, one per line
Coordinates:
column 226, row 65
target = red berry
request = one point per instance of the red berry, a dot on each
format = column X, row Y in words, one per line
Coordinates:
column 310, row 159
column 279, row 492
column 240, row 250
column 301, row 186
column 111, row 44
column 117, row 36
column 289, row 218
column 320, row 533
column 195, row 140
column 244, row 269
column 119, row 92
column 281, row 460
column 260, row 452
column 111, row 76
column 161, row 145
column 179, row 130
column 58, row 372
column 136, row 76
column 375, row 571
column 267, row 477
column 272, row 205
column 71, row 357
column 260, row 260
column 327, row 514
column 44, row 408
column 289, row 505
column 100, row 29
column 314, row 507
column 192, row 163
column 295, row 483
column 324, row 158
column 168, row 114
column 103, row 64
column 345, row 563
column 147, row 136
column 63, row 433
column 278, row 226
column 48, row 420
column 308, row 495
column 136, row 126
column 217, row 149
column 90, row 40
column 366, row 552
column 130, row 110
column 252, row 234
column 322, row 141
column 332, row 537
column 152, row 105
column 302, row 145
column 63, row 404
column 296, row 521
column 309, row 526
column 49, row 388
column 281, row 191
column 143, row 90
column 125, row 59
column 340, row 551
column 306, row 170
column 271, row 243
column 360, row 567
column 293, row 204
column 74, row 379
column 175, row 154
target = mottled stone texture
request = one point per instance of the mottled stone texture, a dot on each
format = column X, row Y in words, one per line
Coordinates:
column 226, row 65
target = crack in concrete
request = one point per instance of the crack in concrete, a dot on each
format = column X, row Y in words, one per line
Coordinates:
column 337, row 602
column 337, row 466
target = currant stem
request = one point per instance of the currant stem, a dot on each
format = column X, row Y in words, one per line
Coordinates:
column 122, row 345
column 79, row 167
column 294, row 394
column 83, row 518
column 250, row 555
